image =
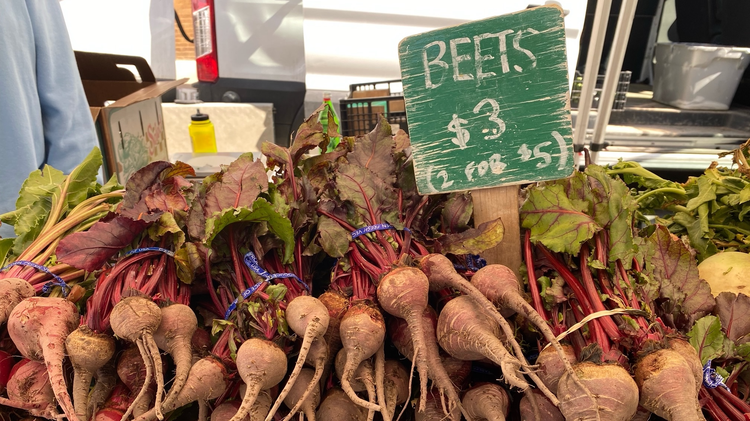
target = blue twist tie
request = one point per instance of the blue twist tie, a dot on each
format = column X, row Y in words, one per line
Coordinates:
column 169, row 253
column 252, row 262
column 58, row 281
column 712, row 379
column 473, row 263
column 245, row 295
column 373, row 228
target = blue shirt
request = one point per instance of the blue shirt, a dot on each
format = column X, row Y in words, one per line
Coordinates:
column 44, row 116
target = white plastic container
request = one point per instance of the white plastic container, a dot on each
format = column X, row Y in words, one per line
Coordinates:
column 698, row 76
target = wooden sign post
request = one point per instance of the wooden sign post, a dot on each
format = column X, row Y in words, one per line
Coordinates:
column 488, row 108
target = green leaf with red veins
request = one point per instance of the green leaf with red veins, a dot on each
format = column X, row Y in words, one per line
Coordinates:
column 374, row 151
column 89, row 250
column 556, row 221
column 333, row 238
column 368, row 193
column 310, row 134
column 614, row 209
column 261, row 211
column 457, row 212
column 671, row 264
column 474, row 240
column 706, row 337
column 240, row 185
column 734, row 312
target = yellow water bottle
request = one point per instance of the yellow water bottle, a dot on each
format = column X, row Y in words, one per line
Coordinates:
column 202, row 133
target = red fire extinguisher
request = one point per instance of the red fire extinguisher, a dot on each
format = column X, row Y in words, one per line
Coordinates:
column 204, row 24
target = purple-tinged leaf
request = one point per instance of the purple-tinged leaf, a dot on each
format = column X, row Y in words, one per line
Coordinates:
column 370, row 196
column 675, row 271
column 401, row 142
column 310, row 134
column 333, row 238
column 734, row 312
column 240, row 185
column 90, row 250
column 142, row 180
column 457, row 212
column 374, row 151
column 275, row 155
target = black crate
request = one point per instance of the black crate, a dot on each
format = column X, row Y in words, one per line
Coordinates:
column 366, row 102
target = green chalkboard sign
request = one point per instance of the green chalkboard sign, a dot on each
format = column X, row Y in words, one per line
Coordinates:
column 487, row 102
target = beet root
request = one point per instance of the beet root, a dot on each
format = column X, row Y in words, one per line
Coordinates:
column 261, row 365
column 38, row 327
column 442, row 274
column 88, row 352
column 308, row 318
column 362, row 332
column 465, row 332
column 226, row 410
column 30, row 385
column 486, row 401
column 337, row 306
column 175, row 335
column 614, row 391
column 551, row 367
column 690, row 355
column 396, row 385
column 667, row 386
column 136, row 319
column 311, row 402
column 106, row 379
column 207, row 380
column 434, row 411
column 403, row 293
column 337, row 406
column 12, row 292
column 545, row 410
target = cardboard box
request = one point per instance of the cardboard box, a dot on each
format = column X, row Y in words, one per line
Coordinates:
column 127, row 111
column 394, row 106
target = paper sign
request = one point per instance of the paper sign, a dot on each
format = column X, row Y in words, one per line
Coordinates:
column 487, row 102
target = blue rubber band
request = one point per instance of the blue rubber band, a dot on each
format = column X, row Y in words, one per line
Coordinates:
column 169, row 253
column 712, row 379
column 371, row 228
column 252, row 262
column 245, row 295
column 58, row 281
column 473, row 263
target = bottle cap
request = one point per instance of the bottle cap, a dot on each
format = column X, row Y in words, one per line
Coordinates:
column 198, row 116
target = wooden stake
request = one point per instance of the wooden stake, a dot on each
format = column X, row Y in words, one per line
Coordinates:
column 500, row 202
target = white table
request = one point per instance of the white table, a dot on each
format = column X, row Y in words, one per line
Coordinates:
column 240, row 127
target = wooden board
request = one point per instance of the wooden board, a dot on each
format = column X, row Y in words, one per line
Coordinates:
column 487, row 102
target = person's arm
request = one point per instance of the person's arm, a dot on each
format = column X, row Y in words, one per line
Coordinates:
column 69, row 133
